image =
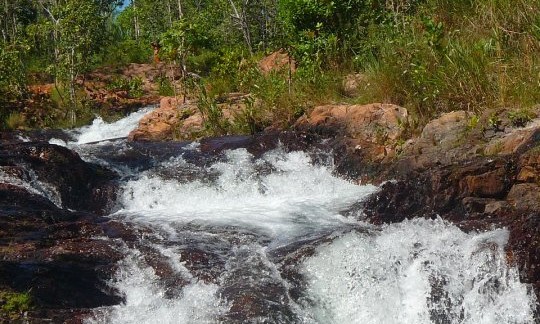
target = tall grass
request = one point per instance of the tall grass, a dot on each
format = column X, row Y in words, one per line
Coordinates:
column 462, row 54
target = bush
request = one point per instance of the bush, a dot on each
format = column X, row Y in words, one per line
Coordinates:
column 125, row 52
column 133, row 86
column 12, row 304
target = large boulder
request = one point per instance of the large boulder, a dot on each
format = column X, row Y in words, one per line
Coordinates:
column 51, row 240
column 176, row 119
column 515, row 140
column 162, row 123
column 373, row 128
column 442, row 141
column 59, row 173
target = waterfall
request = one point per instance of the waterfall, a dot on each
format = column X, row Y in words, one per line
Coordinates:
column 279, row 237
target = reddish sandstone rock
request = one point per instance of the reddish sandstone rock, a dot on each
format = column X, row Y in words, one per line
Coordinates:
column 176, row 119
column 370, row 128
column 440, row 142
column 489, row 184
column 374, row 122
column 511, row 142
column 529, row 167
column 279, row 60
column 161, row 122
column 170, row 103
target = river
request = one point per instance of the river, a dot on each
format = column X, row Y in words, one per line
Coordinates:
column 233, row 236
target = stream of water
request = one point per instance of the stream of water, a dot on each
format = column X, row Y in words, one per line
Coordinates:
column 279, row 238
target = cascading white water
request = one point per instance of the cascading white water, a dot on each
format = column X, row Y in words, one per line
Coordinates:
column 227, row 229
column 32, row 184
column 416, row 272
column 146, row 301
column 294, row 199
column 99, row 130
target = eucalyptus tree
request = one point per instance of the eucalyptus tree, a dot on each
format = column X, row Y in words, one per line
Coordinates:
column 76, row 31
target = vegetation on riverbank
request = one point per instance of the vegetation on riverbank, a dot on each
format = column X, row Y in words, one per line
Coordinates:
column 13, row 305
column 430, row 56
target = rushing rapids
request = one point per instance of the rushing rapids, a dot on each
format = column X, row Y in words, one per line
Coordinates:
column 228, row 234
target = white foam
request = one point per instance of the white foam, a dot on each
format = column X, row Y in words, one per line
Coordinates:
column 146, row 302
column 294, row 199
column 101, row 131
column 390, row 277
column 59, row 142
column 30, row 182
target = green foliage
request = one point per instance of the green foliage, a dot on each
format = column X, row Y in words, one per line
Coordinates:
column 214, row 122
column 494, row 122
column 520, row 117
column 166, row 88
column 133, row 86
column 445, row 55
column 430, row 56
column 247, row 121
column 474, row 120
column 12, row 73
column 203, row 62
column 125, row 52
column 15, row 120
column 13, row 304
column 12, row 80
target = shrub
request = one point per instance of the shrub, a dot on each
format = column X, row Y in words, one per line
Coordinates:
column 520, row 117
column 13, row 304
column 133, row 86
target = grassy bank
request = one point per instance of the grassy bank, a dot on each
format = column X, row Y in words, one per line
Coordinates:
column 430, row 56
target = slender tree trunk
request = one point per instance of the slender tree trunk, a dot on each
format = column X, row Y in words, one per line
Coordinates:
column 136, row 26
column 169, row 12
column 5, row 21
column 72, row 94
column 242, row 24
column 180, row 11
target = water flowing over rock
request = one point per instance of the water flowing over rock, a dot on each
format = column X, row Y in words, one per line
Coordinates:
column 47, row 248
column 476, row 179
column 70, row 181
column 270, row 228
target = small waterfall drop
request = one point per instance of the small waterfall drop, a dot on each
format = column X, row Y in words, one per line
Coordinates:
column 234, row 237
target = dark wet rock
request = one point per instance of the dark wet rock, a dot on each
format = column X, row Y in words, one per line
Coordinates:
column 37, row 135
column 476, row 194
column 47, row 249
column 200, row 263
column 254, row 292
column 525, row 196
column 262, row 143
column 79, row 185
column 59, row 284
column 491, row 184
column 54, row 255
column 477, row 205
column 524, row 245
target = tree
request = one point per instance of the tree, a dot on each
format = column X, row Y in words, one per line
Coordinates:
column 76, row 30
